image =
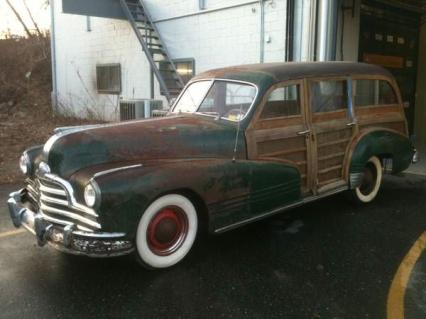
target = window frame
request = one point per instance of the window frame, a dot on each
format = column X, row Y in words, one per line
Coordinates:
column 391, row 83
column 273, row 89
column 258, row 123
column 349, row 98
column 212, row 81
column 109, row 90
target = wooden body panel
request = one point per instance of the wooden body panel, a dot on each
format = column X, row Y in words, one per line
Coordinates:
column 280, row 138
column 332, row 134
column 390, row 116
column 323, row 155
column 331, row 143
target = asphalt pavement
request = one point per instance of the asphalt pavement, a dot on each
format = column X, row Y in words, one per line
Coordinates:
column 329, row 259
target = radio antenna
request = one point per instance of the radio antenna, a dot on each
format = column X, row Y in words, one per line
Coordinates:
column 238, row 133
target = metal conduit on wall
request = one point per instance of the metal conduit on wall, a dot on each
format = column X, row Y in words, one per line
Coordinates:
column 54, row 93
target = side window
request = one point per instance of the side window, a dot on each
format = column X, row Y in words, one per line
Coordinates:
column 282, row 102
column 329, row 96
column 374, row 92
column 365, row 92
column 386, row 93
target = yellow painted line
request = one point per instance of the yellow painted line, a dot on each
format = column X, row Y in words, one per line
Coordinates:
column 12, row 233
column 395, row 305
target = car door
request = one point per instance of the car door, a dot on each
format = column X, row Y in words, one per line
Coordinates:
column 279, row 129
column 333, row 128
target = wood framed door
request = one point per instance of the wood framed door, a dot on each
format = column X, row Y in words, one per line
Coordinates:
column 279, row 130
column 333, row 128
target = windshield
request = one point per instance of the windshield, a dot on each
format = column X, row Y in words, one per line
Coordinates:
column 224, row 99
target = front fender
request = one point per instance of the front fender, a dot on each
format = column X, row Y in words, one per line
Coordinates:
column 35, row 156
column 231, row 191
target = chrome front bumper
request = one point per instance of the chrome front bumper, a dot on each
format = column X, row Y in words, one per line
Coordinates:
column 68, row 238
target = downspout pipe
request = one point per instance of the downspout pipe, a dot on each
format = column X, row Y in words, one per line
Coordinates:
column 54, row 94
column 262, row 31
column 289, row 46
column 327, row 30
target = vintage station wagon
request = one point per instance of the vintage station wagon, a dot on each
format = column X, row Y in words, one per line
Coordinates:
column 239, row 144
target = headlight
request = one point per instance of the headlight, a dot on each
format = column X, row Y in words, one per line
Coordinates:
column 24, row 163
column 90, row 195
column 43, row 168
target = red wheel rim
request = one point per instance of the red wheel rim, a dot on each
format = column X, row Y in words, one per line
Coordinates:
column 167, row 231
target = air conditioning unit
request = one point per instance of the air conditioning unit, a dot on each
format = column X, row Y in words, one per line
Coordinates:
column 137, row 109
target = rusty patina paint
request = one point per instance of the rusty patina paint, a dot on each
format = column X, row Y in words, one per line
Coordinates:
column 231, row 191
column 381, row 143
column 177, row 137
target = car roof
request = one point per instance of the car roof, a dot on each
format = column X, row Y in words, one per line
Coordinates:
column 272, row 73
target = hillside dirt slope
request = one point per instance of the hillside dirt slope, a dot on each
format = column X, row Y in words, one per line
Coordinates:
column 26, row 116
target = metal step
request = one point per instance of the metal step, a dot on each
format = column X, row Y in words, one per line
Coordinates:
column 157, row 51
column 158, row 45
column 144, row 27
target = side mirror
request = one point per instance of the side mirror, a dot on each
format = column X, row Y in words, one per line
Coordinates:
column 406, row 104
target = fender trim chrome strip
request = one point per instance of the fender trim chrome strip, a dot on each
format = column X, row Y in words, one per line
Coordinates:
column 280, row 210
column 117, row 169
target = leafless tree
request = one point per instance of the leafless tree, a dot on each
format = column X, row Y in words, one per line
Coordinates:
column 32, row 19
column 18, row 16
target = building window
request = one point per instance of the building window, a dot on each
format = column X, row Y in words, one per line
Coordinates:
column 282, row 102
column 108, row 78
column 185, row 68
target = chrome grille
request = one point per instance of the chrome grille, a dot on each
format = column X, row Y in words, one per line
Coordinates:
column 58, row 206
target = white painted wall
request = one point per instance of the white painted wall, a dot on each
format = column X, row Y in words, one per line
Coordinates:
column 213, row 38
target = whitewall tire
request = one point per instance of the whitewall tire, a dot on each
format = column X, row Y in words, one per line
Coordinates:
column 371, row 182
column 166, row 231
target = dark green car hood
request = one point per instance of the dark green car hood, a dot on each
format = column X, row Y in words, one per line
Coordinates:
column 177, row 137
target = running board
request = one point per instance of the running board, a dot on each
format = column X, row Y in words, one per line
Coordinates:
column 280, row 210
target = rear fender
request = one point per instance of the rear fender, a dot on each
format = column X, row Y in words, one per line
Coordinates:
column 383, row 143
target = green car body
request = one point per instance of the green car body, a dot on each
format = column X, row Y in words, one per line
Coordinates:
column 204, row 158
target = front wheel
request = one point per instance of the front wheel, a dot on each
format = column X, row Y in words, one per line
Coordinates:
column 166, row 231
column 370, row 185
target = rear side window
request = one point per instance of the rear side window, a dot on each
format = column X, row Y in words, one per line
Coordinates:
column 374, row 92
column 329, row 96
column 282, row 102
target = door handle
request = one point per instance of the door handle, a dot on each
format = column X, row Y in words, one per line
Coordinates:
column 304, row 133
column 351, row 124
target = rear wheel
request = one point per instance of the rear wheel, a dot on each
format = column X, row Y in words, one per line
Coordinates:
column 370, row 185
column 166, row 231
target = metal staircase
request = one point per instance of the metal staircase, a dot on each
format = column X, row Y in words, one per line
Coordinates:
column 155, row 50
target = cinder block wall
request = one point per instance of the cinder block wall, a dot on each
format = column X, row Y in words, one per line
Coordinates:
column 214, row 39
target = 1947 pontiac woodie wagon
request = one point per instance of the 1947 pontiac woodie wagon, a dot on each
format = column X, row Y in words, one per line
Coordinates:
column 239, row 144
